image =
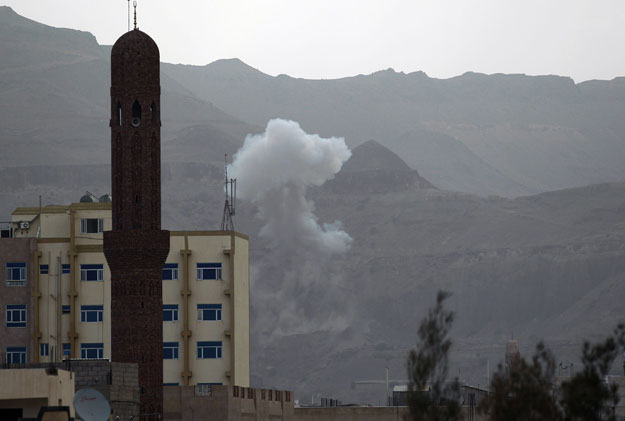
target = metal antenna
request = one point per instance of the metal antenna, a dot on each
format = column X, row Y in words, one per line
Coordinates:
column 230, row 191
column 134, row 3
column 128, row 18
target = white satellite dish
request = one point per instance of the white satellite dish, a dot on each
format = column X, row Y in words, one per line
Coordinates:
column 91, row 405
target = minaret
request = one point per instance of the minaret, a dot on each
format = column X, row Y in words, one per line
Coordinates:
column 136, row 248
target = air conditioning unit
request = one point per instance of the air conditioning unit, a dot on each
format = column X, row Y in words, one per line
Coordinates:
column 24, row 225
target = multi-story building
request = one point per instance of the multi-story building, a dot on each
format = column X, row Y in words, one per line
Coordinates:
column 57, row 294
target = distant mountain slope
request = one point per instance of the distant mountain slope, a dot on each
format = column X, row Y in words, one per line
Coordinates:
column 54, row 98
column 547, row 266
column 504, row 134
column 373, row 168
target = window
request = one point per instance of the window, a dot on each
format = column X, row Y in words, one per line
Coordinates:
column 94, row 350
column 170, row 272
column 119, row 114
column 16, row 354
column 16, row 273
column 170, row 312
column 44, row 350
column 16, row 315
column 208, row 271
column 67, row 349
column 136, row 114
column 209, row 349
column 91, row 314
column 170, row 350
column 91, row 225
column 91, row 272
column 66, row 268
column 209, row 311
column 43, row 269
column 66, row 309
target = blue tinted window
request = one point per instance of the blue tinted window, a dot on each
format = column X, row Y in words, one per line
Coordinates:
column 16, row 354
column 92, row 350
column 209, row 349
column 170, row 272
column 16, row 315
column 15, row 273
column 170, row 312
column 170, row 350
column 208, row 271
column 91, row 314
column 91, row 272
column 209, row 312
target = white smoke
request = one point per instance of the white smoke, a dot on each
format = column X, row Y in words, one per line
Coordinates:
column 273, row 170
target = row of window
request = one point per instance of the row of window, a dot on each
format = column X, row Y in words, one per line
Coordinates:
column 16, row 272
column 204, row 271
column 17, row 354
column 205, row 350
column 205, row 312
column 87, row 350
column 16, row 313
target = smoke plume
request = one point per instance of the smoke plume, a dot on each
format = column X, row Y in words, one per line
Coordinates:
column 273, row 170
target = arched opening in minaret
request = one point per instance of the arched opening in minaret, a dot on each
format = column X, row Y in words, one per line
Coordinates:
column 119, row 114
column 154, row 113
column 136, row 113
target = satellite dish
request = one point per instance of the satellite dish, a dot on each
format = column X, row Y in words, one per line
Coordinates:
column 91, row 405
column 136, row 121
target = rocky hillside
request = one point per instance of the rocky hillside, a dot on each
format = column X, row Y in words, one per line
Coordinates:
column 54, row 102
column 486, row 134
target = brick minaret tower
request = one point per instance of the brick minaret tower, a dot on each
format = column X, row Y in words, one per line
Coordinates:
column 136, row 248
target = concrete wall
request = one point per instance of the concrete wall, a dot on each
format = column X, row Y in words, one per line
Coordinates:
column 30, row 389
column 186, row 403
column 118, row 382
column 240, row 285
column 363, row 413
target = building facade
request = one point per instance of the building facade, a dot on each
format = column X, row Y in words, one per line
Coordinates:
column 57, row 295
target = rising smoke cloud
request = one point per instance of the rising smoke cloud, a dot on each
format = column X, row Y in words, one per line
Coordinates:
column 274, row 170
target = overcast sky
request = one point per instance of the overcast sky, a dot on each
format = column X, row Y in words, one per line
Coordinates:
column 329, row 39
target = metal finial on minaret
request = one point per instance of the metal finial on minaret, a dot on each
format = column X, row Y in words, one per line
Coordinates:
column 134, row 3
column 128, row 17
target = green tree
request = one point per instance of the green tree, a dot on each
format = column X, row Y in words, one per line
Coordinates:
column 586, row 396
column 525, row 391
column 430, row 396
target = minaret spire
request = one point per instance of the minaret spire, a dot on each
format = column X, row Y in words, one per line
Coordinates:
column 136, row 248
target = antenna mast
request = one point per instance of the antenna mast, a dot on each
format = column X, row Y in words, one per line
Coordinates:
column 230, row 191
column 134, row 3
column 128, row 18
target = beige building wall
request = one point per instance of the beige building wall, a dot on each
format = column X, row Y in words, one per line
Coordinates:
column 31, row 389
column 60, row 242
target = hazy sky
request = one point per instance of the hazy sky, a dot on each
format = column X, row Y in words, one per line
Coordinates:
column 329, row 39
